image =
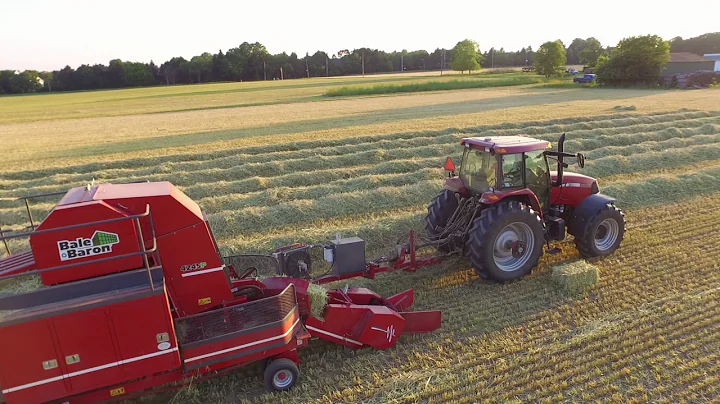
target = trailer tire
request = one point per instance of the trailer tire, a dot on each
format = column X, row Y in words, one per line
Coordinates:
column 440, row 210
column 603, row 233
column 506, row 241
column 281, row 374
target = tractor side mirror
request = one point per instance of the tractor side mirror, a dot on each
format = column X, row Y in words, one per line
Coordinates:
column 580, row 160
column 450, row 167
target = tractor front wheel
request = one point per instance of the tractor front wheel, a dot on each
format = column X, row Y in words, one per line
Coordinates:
column 440, row 211
column 603, row 234
column 506, row 241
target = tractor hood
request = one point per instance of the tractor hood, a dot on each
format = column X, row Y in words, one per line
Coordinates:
column 573, row 179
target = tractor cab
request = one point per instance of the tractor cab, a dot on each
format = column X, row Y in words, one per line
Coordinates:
column 506, row 163
column 499, row 165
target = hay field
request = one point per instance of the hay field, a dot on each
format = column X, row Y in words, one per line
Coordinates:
column 272, row 174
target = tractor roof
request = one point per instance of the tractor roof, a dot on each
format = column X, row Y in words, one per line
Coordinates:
column 506, row 144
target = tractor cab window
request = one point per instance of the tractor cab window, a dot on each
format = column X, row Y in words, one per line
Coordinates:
column 512, row 170
column 478, row 170
column 537, row 175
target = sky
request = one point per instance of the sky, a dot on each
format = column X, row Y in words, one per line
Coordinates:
column 47, row 35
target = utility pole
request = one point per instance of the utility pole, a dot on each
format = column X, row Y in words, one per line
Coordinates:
column 402, row 65
column 264, row 72
column 363, row 63
column 442, row 61
column 307, row 69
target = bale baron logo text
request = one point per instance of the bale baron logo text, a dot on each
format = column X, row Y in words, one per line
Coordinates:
column 100, row 243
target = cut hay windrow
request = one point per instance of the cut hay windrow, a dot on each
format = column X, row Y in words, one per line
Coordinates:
column 211, row 189
column 686, row 137
column 591, row 134
column 303, row 212
column 599, row 168
column 306, row 164
column 276, row 195
column 665, row 188
column 526, row 127
column 613, row 165
column 171, row 171
column 239, row 160
column 628, row 139
column 377, row 229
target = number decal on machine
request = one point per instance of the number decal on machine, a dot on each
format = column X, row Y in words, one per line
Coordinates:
column 118, row 391
column 193, row 267
column 204, row 301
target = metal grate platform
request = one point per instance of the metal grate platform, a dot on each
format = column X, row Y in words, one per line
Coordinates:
column 236, row 319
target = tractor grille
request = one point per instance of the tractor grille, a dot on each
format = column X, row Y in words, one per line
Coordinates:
column 236, row 319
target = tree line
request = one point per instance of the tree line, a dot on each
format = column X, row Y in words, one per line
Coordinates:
column 252, row 61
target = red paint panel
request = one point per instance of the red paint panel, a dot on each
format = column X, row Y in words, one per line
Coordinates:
column 571, row 195
column 23, row 349
column 79, row 245
column 380, row 328
column 88, row 335
column 171, row 209
column 193, row 289
column 137, row 324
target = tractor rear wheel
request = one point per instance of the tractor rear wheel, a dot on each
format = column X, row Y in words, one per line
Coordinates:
column 603, row 234
column 506, row 241
column 440, row 210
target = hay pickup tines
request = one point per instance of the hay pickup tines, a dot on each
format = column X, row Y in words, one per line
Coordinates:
column 129, row 295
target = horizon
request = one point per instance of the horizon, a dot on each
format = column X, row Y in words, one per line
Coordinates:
column 59, row 35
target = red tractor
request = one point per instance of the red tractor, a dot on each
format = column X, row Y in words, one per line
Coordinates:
column 505, row 203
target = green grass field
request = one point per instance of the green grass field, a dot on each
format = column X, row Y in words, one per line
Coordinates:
column 277, row 162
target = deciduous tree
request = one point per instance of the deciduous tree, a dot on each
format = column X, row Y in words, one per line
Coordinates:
column 466, row 56
column 550, row 59
column 636, row 60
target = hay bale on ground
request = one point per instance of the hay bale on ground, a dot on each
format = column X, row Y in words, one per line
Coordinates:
column 318, row 300
column 576, row 277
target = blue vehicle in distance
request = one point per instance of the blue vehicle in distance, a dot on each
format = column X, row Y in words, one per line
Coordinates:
column 586, row 78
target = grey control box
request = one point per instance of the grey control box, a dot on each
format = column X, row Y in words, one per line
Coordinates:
column 348, row 255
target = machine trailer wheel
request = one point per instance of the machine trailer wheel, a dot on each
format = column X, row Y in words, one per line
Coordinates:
column 603, row 234
column 281, row 374
column 440, row 210
column 506, row 241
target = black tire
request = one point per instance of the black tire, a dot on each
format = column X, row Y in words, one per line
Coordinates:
column 495, row 226
column 281, row 374
column 440, row 210
column 603, row 233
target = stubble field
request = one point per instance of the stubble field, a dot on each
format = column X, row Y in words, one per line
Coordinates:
column 300, row 171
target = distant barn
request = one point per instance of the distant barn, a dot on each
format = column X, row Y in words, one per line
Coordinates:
column 686, row 62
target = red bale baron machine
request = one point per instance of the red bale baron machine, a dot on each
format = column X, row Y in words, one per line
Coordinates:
column 137, row 297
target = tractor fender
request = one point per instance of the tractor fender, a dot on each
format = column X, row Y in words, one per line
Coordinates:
column 586, row 210
column 524, row 195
